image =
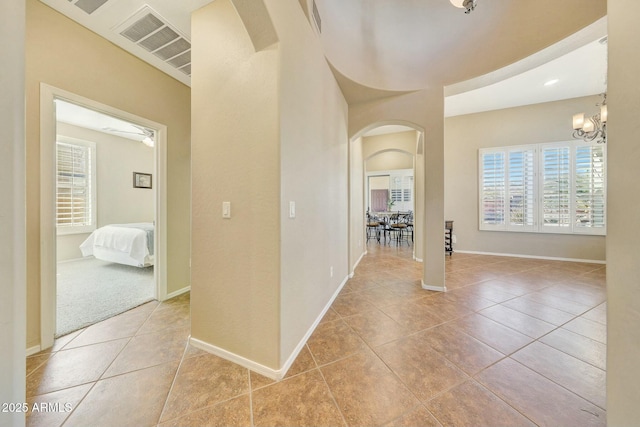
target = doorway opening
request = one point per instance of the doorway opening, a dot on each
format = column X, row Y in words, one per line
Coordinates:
column 102, row 220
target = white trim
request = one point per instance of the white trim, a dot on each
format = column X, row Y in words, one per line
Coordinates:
column 237, row 359
column 274, row 374
column 48, row 236
column 590, row 261
column 433, row 288
column 417, row 259
column 178, row 292
column 33, row 350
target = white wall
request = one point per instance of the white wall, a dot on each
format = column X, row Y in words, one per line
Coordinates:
column 12, row 212
column 116, row 199
column 464, row 135
column 357, row 204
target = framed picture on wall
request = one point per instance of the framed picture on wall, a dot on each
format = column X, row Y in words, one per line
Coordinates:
column 141, row 180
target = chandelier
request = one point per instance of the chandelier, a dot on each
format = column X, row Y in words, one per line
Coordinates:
column 468, row 5
column 592, row 128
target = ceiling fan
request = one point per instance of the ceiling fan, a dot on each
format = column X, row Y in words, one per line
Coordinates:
column 147, row 134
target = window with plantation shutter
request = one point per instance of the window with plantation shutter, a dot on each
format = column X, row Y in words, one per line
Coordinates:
column 75, row 187
column 492, row 189
column 546, row 188
column 556, row 188
column 590, row 190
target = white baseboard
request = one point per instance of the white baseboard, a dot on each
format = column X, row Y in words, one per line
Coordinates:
column 274, row 374
column 417, row 259
column 433, row 288
column 550, row 258
column 75, row 259
column 33, row 350
column 178, row 292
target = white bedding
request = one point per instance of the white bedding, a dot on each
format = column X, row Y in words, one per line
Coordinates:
column 130, row 244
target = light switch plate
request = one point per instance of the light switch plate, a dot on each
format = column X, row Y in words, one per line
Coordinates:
column 292, row 209
column 226, row 209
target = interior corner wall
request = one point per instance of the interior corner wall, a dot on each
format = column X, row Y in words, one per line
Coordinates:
column 314, row 174
column 235, row 158
column 623, row 231
column 357, row 236
column 118, row 202
column 63, row 54
column 12, row 212
column 465, row 135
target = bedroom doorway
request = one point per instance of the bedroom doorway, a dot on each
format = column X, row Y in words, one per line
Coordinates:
column 101, row 169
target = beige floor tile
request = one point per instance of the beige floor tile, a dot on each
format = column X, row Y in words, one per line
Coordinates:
column 330, row 316
column 422, row 369
column 351, row 303
column 367, row 393
column 334, row 340
column 68, row 368
column 123, row 326
column 418, row 417
column 466, row 352
column 204, row 381
column 34, row 362
column 588, row 328
column 164, row 318
column 470, row 404
column 551, row 300
column 445, row 309
column 580, row 377
column 304, row 362
column 302, row 400
column 233, row 413
column 63, row 400
column 578, row 346
column 133, row 399
column 259, row 381
column 414, row 317
column 539, row 311
column 598, row 314
column 148, row 350
column 539, row 399
column 467, row 298
column 382, row 296
column 495, row 335
column 518, row 321
column 375, row 327
column 586, row 295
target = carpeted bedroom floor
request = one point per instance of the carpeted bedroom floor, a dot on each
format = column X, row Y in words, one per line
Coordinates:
column 90, row 290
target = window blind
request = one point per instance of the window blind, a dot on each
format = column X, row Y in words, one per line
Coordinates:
column 74, row 207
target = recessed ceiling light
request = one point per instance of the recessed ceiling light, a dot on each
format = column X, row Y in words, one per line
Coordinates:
column 551, row 82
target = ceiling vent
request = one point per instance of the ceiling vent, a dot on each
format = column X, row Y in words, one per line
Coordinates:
column 316, row 17
column 147, row 29
column 89, row 6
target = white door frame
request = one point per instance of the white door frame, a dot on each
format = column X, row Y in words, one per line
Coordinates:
column 48, row 267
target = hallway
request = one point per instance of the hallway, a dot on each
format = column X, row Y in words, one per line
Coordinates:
column 514, row 342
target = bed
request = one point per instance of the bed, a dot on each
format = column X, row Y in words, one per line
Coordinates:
column 129, row 244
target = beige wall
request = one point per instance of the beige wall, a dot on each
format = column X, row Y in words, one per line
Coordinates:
column 117, row 201
column 285, row 140
column 623, row 233
column 390, row 160
column 314, row 173
column 12, row 212
column 357, row 204
column 98, row 70
column 235, row 289
column 464, row 135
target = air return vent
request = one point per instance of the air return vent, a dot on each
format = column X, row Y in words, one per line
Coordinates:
column 147, row 29
column 89, row 6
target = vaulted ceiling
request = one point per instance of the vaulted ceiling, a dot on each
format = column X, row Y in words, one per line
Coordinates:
column 376, row 48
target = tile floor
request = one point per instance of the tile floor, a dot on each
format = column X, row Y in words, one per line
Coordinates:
column 514, row 342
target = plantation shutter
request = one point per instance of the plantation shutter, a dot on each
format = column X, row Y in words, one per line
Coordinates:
column 492, row 189
column 74, row 186
column 521, row 188
column 590, row 188
column 556, row 188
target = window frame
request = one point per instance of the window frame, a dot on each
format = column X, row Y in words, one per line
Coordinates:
column 91, row 147
column 537, row 190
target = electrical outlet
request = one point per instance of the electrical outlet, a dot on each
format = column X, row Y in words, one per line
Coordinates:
column 453, row 239
column 331, row 271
